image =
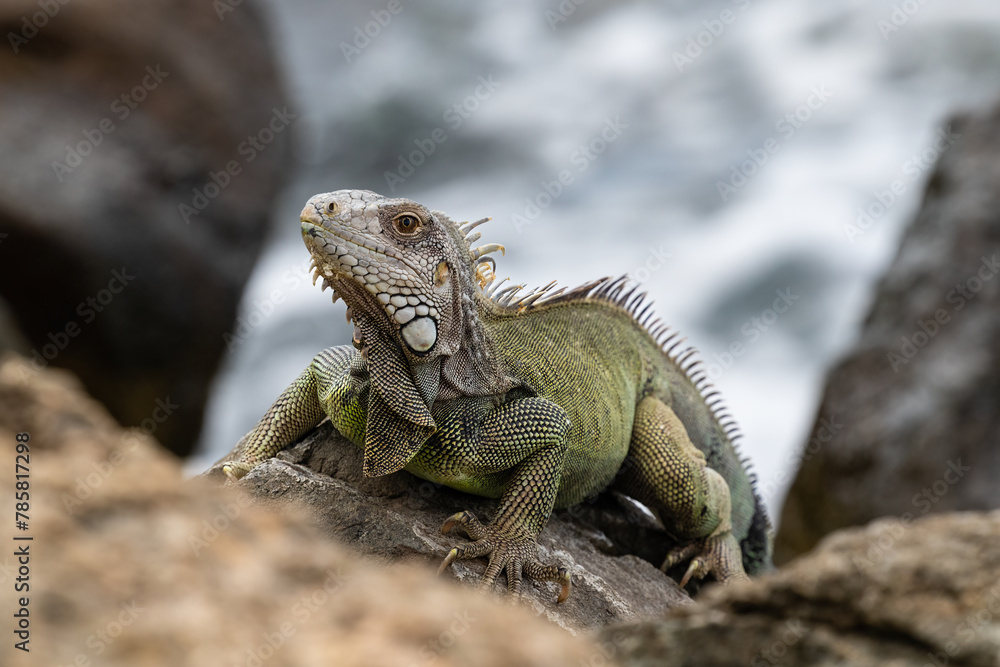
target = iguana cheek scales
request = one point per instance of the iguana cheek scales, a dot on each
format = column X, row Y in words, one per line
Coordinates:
column 540, row 400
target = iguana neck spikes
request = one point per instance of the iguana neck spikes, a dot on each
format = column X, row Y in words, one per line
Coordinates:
column 474, row 369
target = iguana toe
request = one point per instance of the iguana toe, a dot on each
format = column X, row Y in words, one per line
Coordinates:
column 235, row 470
column 560, row 575
column 472, row 526
column 718, row 555
column 511, row 554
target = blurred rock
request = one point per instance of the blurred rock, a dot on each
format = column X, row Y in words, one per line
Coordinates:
column 893, row 593
column 133, row 202
column 398, row 517
column 130, row 566
column 909, row 422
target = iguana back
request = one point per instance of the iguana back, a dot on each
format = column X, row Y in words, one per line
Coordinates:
column 604, row 353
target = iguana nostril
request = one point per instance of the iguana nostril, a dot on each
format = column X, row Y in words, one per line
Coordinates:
column 310, row 214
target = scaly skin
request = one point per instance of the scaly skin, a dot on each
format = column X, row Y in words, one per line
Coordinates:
column 539, row 402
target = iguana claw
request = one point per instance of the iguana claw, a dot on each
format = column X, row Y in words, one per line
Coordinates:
column 449, row 559
column 513, row 555
column 567, row 588
column 462, row 518
column 717, row 554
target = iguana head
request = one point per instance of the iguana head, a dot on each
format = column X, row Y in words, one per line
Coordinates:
column 401, row 268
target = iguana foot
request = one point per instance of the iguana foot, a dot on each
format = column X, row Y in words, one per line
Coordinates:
column 717, row 554
column 235, row 470
column 511, row 554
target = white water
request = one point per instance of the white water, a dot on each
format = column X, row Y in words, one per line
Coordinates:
column 877, row 101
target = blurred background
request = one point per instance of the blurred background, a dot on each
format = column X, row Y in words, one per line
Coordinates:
column 846, row 101
column 752, row 162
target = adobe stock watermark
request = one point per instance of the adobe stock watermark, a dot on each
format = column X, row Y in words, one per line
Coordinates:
column 30, row 25
column 825, row 431
column 433, row 648
column 88, row 310
column 104, row 637
column 912, row 170
column 212, row 529
column 101, row 639
column 786, row 126
column 606, row 652
column 365, row 34
column 655, row 260
column 971, row 625
column 629, row 464
column 752, row 329
column 900, row 16
column 581, row 158
column 704, row 39
column 122, row 107
column 301, row 612
column 223, row 7
column 924, row 502
column 563, row 11
column 102, row 470
column 454, row 116
column 775, row 653
column 262, row 309
column 248, row 149
column 959, row 296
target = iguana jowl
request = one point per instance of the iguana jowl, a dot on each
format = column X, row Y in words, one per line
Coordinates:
column 539, row 401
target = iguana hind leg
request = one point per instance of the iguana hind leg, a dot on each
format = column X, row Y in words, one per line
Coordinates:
column 665, row 471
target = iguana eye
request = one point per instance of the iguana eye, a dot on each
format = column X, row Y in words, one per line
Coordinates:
column 332, row 208
column 407, row 224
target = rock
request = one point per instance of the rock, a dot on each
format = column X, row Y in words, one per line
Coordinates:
column 129, row 565
column 398, row 517
column 127, row 233
column 909, row 423
column 892, row 593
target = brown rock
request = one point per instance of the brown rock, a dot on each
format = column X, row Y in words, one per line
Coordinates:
column 114, row 114
column 131, row 566
column 892, row 593
column 913, row 409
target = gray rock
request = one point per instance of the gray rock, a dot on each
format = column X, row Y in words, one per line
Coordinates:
column 398, row 517
column 892, row 593
column 114, row 115
column 909, row 423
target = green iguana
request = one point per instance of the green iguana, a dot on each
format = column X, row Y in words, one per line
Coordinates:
column 540, row 401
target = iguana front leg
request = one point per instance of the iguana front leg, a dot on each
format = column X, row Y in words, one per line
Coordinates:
column 297, row 410
column 668, row 473
column 524, row 441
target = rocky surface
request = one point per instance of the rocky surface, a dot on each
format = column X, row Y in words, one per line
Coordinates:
column 397, row 518
column 909, row 423
column 116, row 116
column 893, row 593
column 131, row 566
